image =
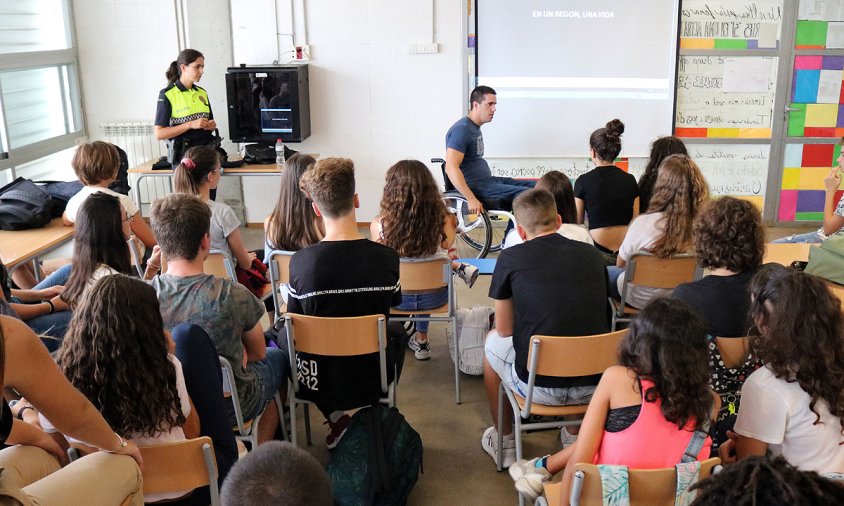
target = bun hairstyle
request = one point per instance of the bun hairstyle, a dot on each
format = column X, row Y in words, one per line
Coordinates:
column 607, row 141
column 186, row 57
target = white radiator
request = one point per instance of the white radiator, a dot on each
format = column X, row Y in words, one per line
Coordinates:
column 139, row 142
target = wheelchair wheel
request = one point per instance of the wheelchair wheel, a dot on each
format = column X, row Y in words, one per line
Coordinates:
column 474, row 231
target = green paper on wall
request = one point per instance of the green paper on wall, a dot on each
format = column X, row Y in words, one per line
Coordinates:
column 797, row 120
column 806, row 216
column 730, row 44
column 811, row 33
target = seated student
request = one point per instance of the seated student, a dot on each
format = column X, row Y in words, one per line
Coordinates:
column 550, row 285
column 277, row 473
column 646, row 410
column 666, row 229
column 768, row 481
column 794, row 404
column 343, row 275
column 660, row 150
column 606, row 195
column 293, row 225
column 122, row 362
column 559, row 185
column 226, row 310
column 413, row 221
column 99, row 249
column 96, row 165
column 833, row 213
column 729, row 241
column 30, row 371
column 197, row 174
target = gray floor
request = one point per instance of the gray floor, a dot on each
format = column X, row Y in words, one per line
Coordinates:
column 456, row 469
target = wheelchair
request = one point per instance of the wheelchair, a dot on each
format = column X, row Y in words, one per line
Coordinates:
column 477, row 234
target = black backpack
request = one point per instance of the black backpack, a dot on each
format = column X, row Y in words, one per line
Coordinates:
column 378, row 460
column 24, row 205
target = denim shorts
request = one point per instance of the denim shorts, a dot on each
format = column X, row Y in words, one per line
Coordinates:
column 502, row 356
column 271, row 372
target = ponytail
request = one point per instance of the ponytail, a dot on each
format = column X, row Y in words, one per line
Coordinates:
column 196, row 164
column 173, row 72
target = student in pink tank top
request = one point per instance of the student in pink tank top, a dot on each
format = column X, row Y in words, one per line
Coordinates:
column 644, row 412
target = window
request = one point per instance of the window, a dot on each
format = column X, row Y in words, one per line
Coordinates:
column 40, row 104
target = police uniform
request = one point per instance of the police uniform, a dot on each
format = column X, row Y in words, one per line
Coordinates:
column 178, row 105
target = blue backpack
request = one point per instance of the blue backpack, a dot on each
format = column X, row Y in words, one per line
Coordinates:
column 378, row 460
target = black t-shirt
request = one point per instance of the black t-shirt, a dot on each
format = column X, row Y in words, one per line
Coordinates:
column 608, row 194
column 723, row 301
column 342, row 278
column 559, row 287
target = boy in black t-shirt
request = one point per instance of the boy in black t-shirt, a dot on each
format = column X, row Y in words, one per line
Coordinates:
column 549, row 285
column 343, row 275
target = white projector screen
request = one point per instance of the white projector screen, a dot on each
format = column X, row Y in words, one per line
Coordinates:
column 563, row 68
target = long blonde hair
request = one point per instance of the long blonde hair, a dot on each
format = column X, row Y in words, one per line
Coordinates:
column 679, row 193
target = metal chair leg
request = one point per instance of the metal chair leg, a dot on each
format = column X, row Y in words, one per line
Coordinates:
column 307, row 408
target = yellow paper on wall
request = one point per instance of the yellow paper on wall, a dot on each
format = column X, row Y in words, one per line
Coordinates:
column 790, row 179
column 821, row 115
column 811, row 178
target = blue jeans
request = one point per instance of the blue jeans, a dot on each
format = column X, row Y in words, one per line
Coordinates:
column 58, row 277
column 417, row 301
column 504, row 189
column 271, row 372
column 614, row 273
column 808, row 237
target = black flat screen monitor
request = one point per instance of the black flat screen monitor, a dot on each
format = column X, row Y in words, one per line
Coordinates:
column 268, row 102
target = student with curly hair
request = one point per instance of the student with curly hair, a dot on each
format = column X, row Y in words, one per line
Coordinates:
column 645, row 410
column 606, row 196
column 660, row 150
column 413, row 221
column 770, row 481
column 793, row 406
column 666, row 229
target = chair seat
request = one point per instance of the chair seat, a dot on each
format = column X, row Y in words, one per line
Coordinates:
column 267, row 292
column 553, row 492
column 441, row 309
column 628, row 310
column 544, row 410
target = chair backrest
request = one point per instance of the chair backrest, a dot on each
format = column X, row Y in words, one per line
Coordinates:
column 646, row 269
column 135, row 254
column 182, row 465
column 446, row 182
column 734, row 350
column 330, row 337
column 279, row 270
column 230, row 392
column 424, row 275
column 648, row 487
column 218, row 264
column 574, row 356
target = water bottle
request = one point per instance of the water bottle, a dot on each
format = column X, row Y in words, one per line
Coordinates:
column 279, row 154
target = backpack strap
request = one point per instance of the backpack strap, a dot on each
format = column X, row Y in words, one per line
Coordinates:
column 380, row 476
column 695, row 445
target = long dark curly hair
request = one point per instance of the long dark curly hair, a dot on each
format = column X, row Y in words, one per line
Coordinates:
column 660, row 150
column 98, row 239
column 412, row 211
column 667, row 345
column 800, row 337
column 115, row 353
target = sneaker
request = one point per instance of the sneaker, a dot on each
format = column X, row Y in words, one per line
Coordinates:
column 421, row 349
column 566, row 438
column 468, row 273
column 530, row 486
column 336, row 431
column 522, row 468
column 489, row 442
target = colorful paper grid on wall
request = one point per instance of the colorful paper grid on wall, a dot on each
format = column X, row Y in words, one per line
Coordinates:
column 805, row 167
column 689, row 43
column 816, row 34
column 817, row 97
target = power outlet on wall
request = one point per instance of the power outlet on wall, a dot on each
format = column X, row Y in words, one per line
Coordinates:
column 422, row 48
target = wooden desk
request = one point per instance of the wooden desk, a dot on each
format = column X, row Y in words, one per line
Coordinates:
column 21, row 246
column 145, row 170
column 784, row 254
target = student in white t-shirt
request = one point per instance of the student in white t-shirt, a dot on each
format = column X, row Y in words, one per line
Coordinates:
column 560, row 187
column 793, row 406
column 197, row 174
column 96, row 165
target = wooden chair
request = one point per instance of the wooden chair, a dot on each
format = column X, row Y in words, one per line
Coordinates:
column 419, row 276
column 279, row 268
column 560, row 357
column 335, row 337
column 648, row 487
column 785, row 253
column 647, row 270
column 135, row 254
column 246, row 430
column 170, row 467
column 217, row 264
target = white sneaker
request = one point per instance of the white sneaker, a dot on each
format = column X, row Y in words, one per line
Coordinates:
column 489, row 442
column 523, row 467
column 468, row 273
column 566, row 438
column 421, row 350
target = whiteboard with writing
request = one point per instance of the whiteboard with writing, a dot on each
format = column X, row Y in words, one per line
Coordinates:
column 704, row 102
column 733, row 169
column 535, row 168
column 730, row 19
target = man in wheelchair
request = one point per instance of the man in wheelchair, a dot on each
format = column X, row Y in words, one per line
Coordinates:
column 465, row 166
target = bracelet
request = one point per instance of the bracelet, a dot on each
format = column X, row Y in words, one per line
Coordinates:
column 24, row 408
column 52, row 307
column 150, row 264
column 123, row 444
